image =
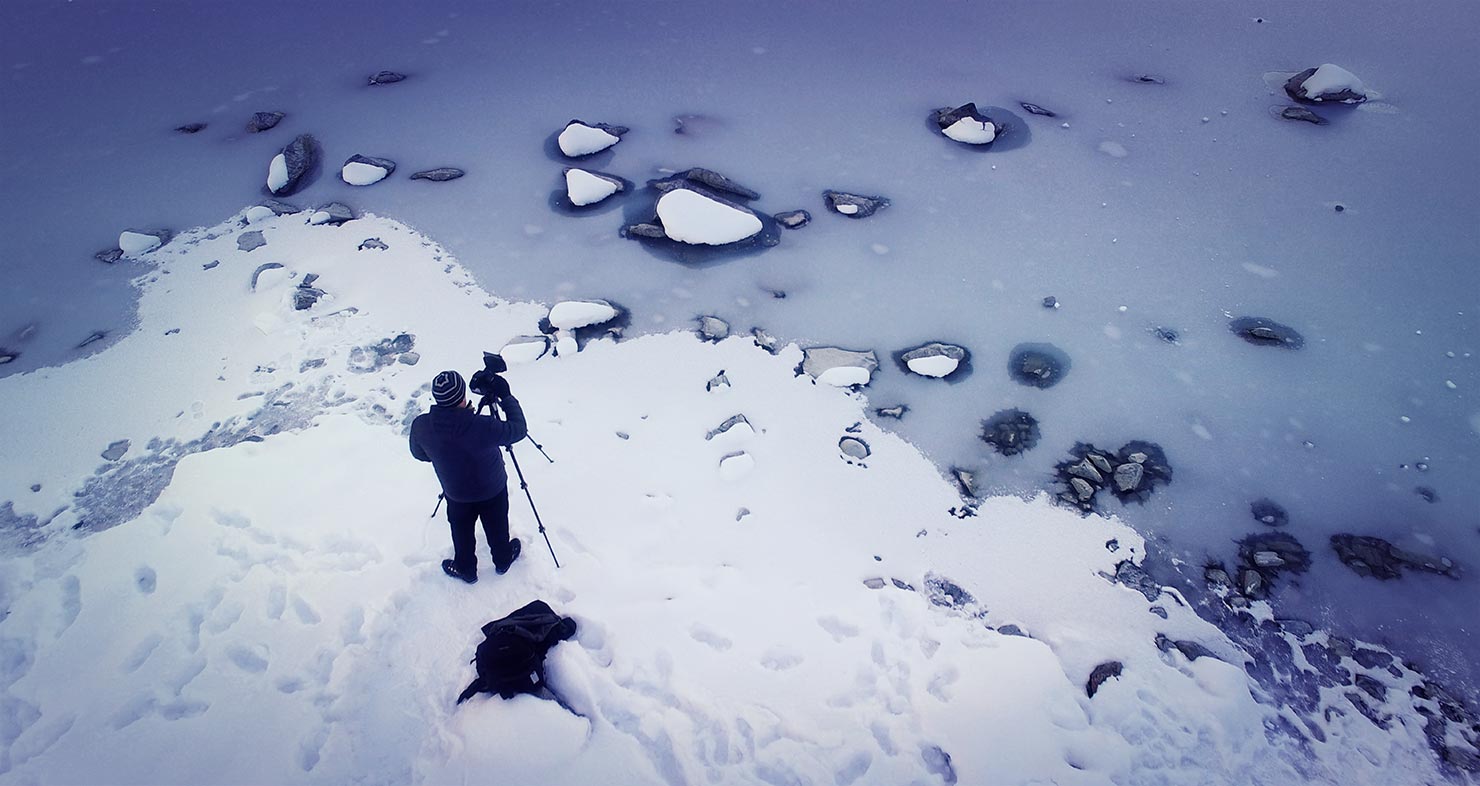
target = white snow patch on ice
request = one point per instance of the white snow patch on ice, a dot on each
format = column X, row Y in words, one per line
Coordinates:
column 1113, row 149
column 690, row 217
column 277, row 173
column 972, row 132
column 584, row 188
column 359, row 173
column 846, row 210
column 579, row 139
column 844, row 376
column 933, row 366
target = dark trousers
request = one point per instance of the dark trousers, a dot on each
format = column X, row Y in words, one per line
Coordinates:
column 495, row 515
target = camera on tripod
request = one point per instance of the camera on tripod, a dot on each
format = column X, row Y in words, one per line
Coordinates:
column 481, row 382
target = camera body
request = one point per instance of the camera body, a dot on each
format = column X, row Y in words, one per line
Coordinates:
column 493, row 365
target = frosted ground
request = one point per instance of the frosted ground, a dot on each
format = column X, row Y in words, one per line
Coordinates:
column 1185, row 202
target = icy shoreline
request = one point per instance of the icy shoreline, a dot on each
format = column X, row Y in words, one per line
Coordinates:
column 811, row 616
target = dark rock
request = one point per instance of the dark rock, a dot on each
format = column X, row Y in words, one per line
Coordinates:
column 941, row 591
column 334, row 214
column 717, row 381
column 644, row 230
column 897, row 411
column 263, row 268
column 853, row 205
column 966, row 482
column 1129, row 574
column 1159, row 611
column 379, row 163
column 1037, row 365
column 1269, row 513
column 305, row 295
column 947, row 117
column 1371, row 687
column 439, row 175
column 191, row 128
column 1050, row 302
column 1377, row 558
column 1101, row 674
column 93, row 338
column 372, row 243
column 211, row 265
column 280, row 208
column 262, row 121
column 1169, row 335
column 311, row 363
column 1034, row 109
column 1013, row 630
column 109, row 256
column 1271, row 554
column 765, row 340
column 1010, row 432
column 1294, row 87
column 1148, row 79
column 875, row 582
column 247, row 241
column 793, row 219
column 1373, row 659
column 386, row 78
column 1266, row 333
column 116, row 450
column 1302, row 114
column 301, row 158
column 703, row 177
column 1128, row 477
column 1426, row 493
column 1189, row 649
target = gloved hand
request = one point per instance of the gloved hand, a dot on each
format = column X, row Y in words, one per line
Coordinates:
column 498, row 387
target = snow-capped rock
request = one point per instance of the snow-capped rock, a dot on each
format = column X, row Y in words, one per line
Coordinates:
column 934, row 359
column 713, row 328
column 839, row 367
column 133, row 242
column 691, row 217
column 365, row 170
column 296, row 163
column 256, row 214
column 580, row 139
column 334, row 213
column 965, row 124
column 573, row 314
column 584, row 187
column 1328, row 84
column 705, row 177
column 853, row 205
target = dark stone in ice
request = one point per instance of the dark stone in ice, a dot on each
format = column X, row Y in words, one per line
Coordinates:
column 1034, row 109
column 263, row 268
column 302, row 159
column 8, row 355
column 1295, row 89
column 439, row 175
column 263, row 121
column 1050, row 302
column 1371, row 687
column 1426, row 493
column 116, row 450
column 386, row 78
column 211, row 265
column 110, row 255
column 1374, row 557
column 93, row 338
column 191, row 128
column 946, row 117
column 248, row 241
column 560, row 200
column 1101, row 674
column 1169, row 335
column 703, row 177
column 383, row 163
column 793, row 219
column 1269, row 513
column 941, row 591
column 338, row 213
column 1189, row 649
column 1013, row 630
column 306, row 294
column 897, row 411
column 960, row 355
column 853, row 205
column 1266, row 333
column 644, row 229
column 1010, row 432
column 1340, row 208
column 1037, row 365
column 1303, row 114
column 1271, row 554
column 372, row 243
column 1147, row 79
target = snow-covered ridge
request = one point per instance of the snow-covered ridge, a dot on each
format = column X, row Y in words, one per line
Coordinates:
column 816, row 617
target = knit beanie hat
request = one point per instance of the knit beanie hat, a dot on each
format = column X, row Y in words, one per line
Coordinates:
column 448, row 389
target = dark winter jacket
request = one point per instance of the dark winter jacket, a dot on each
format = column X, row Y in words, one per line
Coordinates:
column 463, row 448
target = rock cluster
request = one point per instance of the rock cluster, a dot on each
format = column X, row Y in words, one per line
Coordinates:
column 368, row 359
column 1010, row 432
column 1132, row 473
column 699, row 211
column 1377, row 558
column 305, row 295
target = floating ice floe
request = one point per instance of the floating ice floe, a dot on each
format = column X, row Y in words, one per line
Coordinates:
column 575, row 314
column 579, row 139
column 853, row 205
column 288, row 169
column 839, row 367
column 691, row 217
column 584, row 187
column 133, row 242
column 365, row 170
column 965, row 124
column 1328, row 84
column 934, row 359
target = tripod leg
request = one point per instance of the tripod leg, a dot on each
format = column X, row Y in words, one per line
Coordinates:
column 525, row 486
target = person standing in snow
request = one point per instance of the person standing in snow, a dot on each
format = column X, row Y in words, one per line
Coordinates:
column 463, row 448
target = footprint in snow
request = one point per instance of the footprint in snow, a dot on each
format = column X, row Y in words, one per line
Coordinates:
column 277, row 601
column 780, row 660
column 704, row 635
column 146, row 580
column 252, row 660
column 305, row 613
column 180, row 710
column 141, row 652
column 837, row 628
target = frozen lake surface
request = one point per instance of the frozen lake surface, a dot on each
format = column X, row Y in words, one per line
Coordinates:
column 1179, row 201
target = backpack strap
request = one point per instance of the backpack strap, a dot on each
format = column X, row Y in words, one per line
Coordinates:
column 474, row 687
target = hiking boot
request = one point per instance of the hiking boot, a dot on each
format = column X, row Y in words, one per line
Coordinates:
column 451, row 569
column 514, row 547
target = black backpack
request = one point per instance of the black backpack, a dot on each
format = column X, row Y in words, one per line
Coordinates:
column 511, row 658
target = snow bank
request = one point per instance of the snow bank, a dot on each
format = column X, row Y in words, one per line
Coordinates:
column 278, row 615
column 690, row 217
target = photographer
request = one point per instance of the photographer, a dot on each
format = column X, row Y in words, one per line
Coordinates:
column 463, row 447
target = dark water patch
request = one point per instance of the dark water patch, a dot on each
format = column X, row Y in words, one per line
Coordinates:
column 1264, row 332
column 1269, row 513
column 1011, row 432
column 1037, row 365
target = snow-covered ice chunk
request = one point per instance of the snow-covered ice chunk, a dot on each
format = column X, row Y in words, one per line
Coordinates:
column 133, row 242
column 587, row 188
column 364, row 170
column 573, row 314
column 1330, row 83
column 691, row 217
column 579, row 139
column 525, row 349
